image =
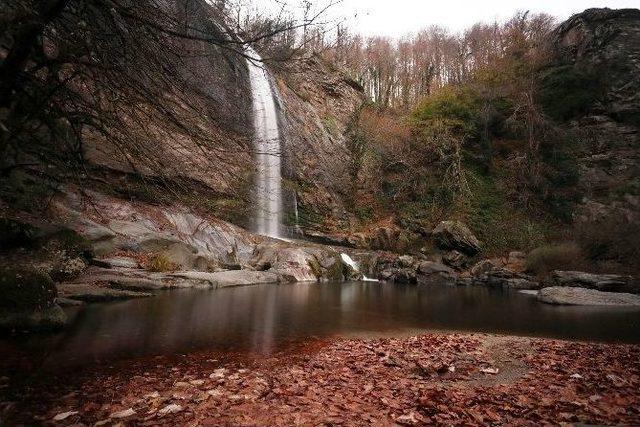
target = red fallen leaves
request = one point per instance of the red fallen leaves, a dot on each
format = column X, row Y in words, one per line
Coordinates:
column 356, row 382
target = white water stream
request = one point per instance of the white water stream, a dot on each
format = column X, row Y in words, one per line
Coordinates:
column 268, row 185
column 351, row 263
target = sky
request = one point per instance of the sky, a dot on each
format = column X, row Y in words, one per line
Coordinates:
column 395, row 18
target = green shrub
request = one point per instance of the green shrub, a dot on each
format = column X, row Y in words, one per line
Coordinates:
column 454, row 107
column 499, row 224
column 565, row 256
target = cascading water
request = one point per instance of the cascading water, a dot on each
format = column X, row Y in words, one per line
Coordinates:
column 354, row 265
column 268, row 185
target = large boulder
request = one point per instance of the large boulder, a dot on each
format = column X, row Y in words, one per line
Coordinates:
column 581, row 296
column 454, row 235
column 433, row 272
column 300, row 263
column 601, row 282
column 27, row 301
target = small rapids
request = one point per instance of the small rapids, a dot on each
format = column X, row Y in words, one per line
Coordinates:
column 351, row 263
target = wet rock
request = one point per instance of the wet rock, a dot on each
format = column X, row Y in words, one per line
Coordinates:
column 582, row 296
column 88, row 292
column 350, row 268
column 601, row 282
column 46, row 319
column 399, row 275
column 454, row 235
column 187, row 257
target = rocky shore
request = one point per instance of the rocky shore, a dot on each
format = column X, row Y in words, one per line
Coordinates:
column 102, row 249
column 452, row 379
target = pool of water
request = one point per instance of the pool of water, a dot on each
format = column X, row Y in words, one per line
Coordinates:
column 264, row 318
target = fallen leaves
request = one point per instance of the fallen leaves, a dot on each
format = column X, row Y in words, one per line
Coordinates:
column 448, row 379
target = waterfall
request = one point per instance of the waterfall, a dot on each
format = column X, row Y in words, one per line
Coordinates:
column 268, row 185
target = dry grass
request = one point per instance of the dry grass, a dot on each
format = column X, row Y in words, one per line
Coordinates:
column 161, row 263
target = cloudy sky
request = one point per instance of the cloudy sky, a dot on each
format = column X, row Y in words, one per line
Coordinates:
column 398, row 17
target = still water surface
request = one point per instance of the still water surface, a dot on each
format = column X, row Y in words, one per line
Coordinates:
column 264, row 318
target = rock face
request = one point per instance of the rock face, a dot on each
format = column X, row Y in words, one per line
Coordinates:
column 187, row 239
column 318, row 103
column 601, row 282
column 582, row 296
column 454, row 235
column 218, row 164
column 604, row 44
column 28, row 301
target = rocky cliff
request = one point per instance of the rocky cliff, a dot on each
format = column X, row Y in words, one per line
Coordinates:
column 319, row 104
column 603, row 47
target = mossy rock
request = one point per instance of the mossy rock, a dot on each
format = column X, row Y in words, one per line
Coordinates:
column 338, row 270
column 25, row 289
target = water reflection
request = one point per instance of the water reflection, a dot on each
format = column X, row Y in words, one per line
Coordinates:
column 263, row 317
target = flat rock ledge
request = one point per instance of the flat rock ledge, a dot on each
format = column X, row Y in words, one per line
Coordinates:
column 581, row 296
column 89, row 292
column 224, row 279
